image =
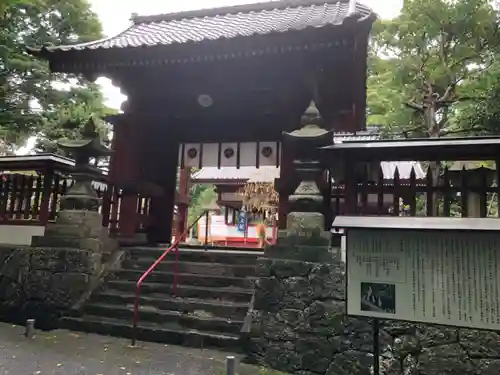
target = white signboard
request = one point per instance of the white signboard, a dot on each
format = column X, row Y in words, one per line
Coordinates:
column 441, row 277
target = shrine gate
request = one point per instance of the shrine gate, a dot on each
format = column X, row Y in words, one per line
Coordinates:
column 218, row 87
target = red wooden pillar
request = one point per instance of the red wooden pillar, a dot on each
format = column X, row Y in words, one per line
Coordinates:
column 124, row 170
column 182, row 223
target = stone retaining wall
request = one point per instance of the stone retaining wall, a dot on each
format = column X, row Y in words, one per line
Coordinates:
column 299, row 326
column 41, row 282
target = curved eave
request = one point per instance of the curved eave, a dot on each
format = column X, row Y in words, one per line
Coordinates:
column 63, row 59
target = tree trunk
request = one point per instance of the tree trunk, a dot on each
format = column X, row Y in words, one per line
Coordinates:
column 435, row 166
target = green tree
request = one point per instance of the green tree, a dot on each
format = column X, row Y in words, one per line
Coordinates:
column 200, row 195
column 482, row 115
column 428, row 66
column 427, row 62
column 33, row 101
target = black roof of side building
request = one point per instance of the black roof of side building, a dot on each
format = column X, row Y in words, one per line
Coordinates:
column 222, row 24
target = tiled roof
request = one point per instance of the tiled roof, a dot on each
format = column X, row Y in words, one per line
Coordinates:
column 370, row 134
column 268, row 174
column 233, row 174
column 229, row 22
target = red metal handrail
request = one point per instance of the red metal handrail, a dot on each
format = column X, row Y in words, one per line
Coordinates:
column 175, row 246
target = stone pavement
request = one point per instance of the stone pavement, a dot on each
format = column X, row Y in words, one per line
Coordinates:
column 73, row 353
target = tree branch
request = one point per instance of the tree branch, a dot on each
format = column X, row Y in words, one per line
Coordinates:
column 415, row 106
column 448, row 94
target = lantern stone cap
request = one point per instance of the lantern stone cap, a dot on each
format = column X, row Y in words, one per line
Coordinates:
column 311, row 121
column 91, row 141
column 309, row 131
column 417, row 223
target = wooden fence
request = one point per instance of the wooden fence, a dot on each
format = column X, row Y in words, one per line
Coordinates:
column 35, row 199
column 460, row 187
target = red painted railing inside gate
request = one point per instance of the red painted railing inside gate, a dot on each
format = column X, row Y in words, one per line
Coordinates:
column 174, row 246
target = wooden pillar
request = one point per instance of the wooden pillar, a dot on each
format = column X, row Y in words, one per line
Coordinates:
column 326, row 189
column 285, row 185
column 124, row 170
column 108, row 195
column 350, row 189
column 48, row 180
column 183, row 207
column 162, row 208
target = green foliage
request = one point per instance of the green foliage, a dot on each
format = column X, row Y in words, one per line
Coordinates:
column 33, row 101
column 200, row 195
column 430, row 62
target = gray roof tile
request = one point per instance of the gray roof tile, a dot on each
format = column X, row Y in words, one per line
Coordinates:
column 229, row 22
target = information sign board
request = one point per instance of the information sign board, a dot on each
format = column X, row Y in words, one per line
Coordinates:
column 435, row 274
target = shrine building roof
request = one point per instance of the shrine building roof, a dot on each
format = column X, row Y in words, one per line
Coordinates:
column 267, row 174
column 195, row 27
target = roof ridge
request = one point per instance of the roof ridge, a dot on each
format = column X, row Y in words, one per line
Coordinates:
column 234, row 9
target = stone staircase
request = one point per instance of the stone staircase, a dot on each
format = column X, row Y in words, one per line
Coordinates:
column 214, row 291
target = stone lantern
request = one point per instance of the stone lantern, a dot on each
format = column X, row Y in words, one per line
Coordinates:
column 477, row 176
column 306, row 222
column 81, row 195
column 79, row 223
column 76, row 249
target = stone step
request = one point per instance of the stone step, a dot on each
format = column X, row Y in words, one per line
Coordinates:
column 223, row 309
column 166, row 334
column 236, row 270
column 186, row 279
column 199, row 256
column 186, row 291
column 153, row 315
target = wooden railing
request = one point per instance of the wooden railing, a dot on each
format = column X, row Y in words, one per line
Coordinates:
column 33, row 199
column 31, row 189
column 459, row 193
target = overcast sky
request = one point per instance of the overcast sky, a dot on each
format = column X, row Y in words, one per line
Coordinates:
column 115, row 16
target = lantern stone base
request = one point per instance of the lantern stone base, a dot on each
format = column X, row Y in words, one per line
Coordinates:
column 56, row 273
column 77, row 229
column 39, row 282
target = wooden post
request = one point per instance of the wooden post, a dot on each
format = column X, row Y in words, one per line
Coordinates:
column 48, row 179
column 162, row 208
column 124, row 169
column 284, row 180
column 182, row 223
column 350, row 189
column 108, row 196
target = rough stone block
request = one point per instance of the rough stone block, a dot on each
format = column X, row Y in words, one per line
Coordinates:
column 67, row 288
column 73, row 230
column 303, row 222
column 41, row 281
column 88, row 218
column 90, row 244
column 318, row 254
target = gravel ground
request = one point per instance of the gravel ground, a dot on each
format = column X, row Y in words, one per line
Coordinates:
column 73, row 353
